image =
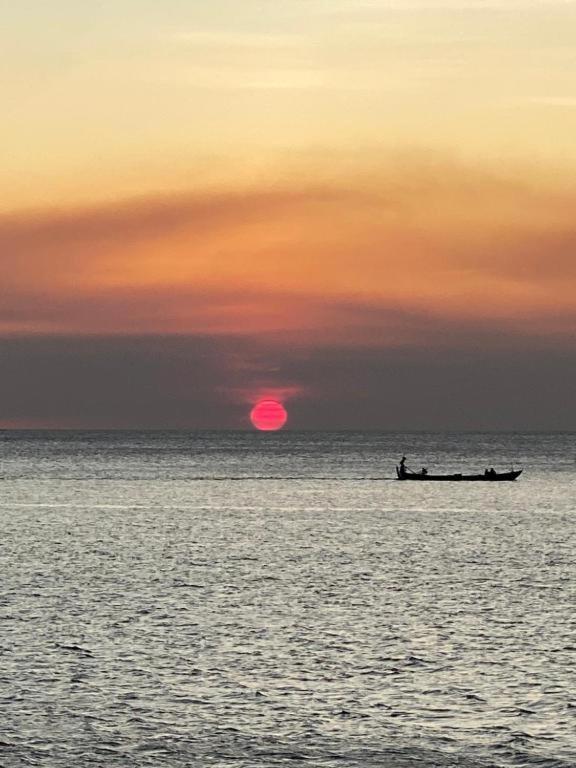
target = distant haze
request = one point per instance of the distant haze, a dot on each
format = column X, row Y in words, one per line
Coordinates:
column 202, row 383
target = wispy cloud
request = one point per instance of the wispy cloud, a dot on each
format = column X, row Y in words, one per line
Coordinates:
column 343, row 6
column 396, row 248
column 555, row 101
column 225, row 38
column 223, row 59
column 276, row 78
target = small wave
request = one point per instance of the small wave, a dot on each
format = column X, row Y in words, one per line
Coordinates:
column 75, row 649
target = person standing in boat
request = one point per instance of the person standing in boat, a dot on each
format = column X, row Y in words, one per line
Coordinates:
column 402, row 467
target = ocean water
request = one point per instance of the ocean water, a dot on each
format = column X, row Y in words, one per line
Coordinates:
column 237, row 599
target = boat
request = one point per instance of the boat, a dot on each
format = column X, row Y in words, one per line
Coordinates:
column 489, row 475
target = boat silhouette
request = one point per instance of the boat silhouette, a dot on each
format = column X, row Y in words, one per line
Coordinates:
column 489, row 475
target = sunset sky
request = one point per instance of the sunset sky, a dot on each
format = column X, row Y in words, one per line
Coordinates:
column 365, row 209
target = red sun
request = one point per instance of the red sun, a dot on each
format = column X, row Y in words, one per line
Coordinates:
column 268, row 415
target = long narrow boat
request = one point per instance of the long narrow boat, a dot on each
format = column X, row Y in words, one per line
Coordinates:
column 490, row 477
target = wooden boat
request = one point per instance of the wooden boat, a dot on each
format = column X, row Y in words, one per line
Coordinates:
column 491, row 477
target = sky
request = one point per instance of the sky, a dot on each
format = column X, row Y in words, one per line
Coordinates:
column 361, row 208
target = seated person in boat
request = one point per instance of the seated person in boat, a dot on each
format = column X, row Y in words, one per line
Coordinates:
column 423, row 471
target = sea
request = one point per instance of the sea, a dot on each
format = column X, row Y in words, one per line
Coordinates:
column 242, row 599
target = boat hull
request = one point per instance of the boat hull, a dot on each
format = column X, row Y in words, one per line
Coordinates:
column 495, row 478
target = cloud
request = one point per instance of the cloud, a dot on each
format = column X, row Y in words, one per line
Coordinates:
column 62, row 246
column 364, row 253
column 224, row 59
column 141, row 218
column 343, row 6
column 273, row 78
column 568, row 102
column 227, row 39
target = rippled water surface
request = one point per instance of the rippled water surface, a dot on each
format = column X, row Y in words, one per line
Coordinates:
column 237, row 599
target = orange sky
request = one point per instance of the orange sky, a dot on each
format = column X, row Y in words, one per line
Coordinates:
column 107, row 100
column 442, row 238
column 382, row 174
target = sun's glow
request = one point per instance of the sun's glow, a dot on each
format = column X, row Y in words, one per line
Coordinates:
column 268, row 415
